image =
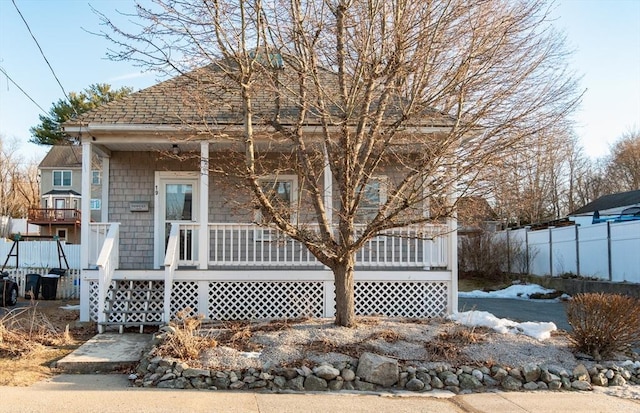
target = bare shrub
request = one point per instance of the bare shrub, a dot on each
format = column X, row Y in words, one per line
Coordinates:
column 448, row 345
column 185, row 339
column 603, row 324
column 389, row 336
column 24, row 330
column 482, row 254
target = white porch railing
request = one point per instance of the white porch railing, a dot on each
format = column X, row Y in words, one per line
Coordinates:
column 107, row 263
column 235, row 244
column 170, row 265
column 249, row 245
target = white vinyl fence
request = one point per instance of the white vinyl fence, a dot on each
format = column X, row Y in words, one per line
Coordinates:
column 608, row 251
column 38, row 257
column 39, row 254
column 68, row 286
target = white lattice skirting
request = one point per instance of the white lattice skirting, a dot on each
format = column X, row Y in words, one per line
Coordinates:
column 251, row 300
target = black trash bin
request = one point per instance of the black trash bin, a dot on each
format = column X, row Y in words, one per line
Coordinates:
column 32, row 286
column 49, row 283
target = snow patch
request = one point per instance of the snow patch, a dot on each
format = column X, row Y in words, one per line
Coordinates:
column 523, row 291
column 540, row 331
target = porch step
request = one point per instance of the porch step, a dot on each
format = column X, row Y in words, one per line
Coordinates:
column 133, row 304
column 121, row 326
column 134, row 300
column 131, row 312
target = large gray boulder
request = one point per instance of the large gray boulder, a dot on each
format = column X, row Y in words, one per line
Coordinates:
column 377, row 369
column 326, row 372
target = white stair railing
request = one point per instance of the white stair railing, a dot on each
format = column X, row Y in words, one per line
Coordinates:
column 97, row 234
column 170, row 264
column 107, row 263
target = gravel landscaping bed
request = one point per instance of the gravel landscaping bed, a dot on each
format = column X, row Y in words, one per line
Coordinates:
column 382, row 354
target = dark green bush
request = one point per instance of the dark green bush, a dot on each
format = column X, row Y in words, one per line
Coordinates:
column 604, row 324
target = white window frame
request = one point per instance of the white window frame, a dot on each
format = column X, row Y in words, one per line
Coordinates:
column 384, row 185
column 96, row 177
column 263, row 233
column 62, row 173
column 96, row 204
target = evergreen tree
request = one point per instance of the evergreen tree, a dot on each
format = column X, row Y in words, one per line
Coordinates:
column 49, row 131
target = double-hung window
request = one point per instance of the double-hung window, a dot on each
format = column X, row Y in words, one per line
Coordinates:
column 374, row 194
column 61, row 178
column 96, row 177
column 282, row 193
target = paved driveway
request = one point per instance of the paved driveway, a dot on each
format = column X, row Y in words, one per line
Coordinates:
column 519, row 310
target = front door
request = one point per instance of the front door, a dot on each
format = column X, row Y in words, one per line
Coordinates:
column 177, row 201
column 60, row 204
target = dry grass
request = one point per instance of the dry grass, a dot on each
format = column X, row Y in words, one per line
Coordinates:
column 449, row 344
column 185, row 340
column 389, row 336
column 24, row 330
column 604, row 324
column 33, row 338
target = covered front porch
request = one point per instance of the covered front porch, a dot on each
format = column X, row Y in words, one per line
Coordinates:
column 148, row 261
column 253, row 272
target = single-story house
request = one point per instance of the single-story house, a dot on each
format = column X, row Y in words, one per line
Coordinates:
column 180, row 232
column 610, row 207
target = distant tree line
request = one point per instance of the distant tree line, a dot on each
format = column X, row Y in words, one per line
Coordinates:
column 549, row 176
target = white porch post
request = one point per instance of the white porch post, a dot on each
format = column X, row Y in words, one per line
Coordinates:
column 104, row 206
column 85, row 205
column 452, row 224
column 328, row 188
column 203, row 241
column 85, row 220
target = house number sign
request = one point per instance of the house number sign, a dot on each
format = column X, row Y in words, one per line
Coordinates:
column 139, row 206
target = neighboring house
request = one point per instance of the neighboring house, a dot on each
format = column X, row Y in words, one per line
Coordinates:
column 613, row 207
column 177, row 234
column 475, row 215
column 61, row 188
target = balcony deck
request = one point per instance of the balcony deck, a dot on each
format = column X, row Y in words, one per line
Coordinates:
column 57, row 216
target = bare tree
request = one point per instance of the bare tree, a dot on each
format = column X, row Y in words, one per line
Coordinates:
column 19, row 183
column 586, row 178
column 623, row 165
column 531, row 184
column 372, row 78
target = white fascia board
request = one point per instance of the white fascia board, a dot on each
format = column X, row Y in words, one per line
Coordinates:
column 220, row 129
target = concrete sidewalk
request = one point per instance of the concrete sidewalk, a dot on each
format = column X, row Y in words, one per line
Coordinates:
column 112, row 393
column 106, row 353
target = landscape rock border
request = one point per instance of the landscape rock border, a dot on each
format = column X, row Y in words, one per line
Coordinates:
column 373, row 372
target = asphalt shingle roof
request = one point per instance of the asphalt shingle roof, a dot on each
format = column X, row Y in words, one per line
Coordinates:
column 63, row 156
column 206, row 96
column 610, row 201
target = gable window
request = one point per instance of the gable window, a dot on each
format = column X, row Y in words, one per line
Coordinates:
column 61, row 178
column 96, row 177
column 374, row 194
column 281, row 191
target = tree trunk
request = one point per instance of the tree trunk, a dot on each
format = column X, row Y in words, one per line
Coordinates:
column 345, row 293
